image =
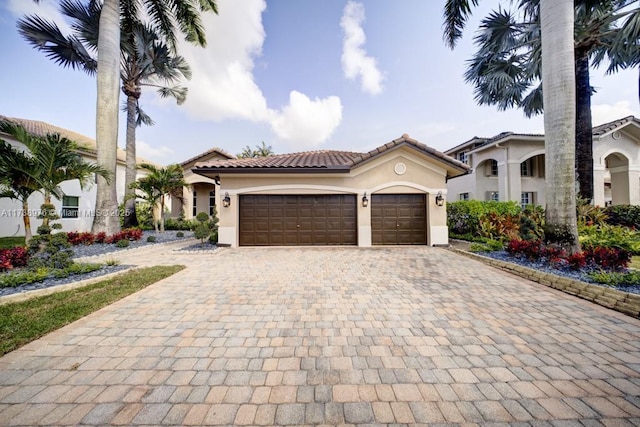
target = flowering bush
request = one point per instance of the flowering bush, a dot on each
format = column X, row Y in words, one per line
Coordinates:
column 14, row 257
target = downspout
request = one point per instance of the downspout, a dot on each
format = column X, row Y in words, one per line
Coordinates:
column 506, row 162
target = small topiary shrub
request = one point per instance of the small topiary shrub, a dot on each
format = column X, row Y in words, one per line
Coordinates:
column 213, row 239
column 151, row 239
column 122, row 244
column 179, row 234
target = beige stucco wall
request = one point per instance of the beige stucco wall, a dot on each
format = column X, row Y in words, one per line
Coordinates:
column 621, row 148
column 420, row 175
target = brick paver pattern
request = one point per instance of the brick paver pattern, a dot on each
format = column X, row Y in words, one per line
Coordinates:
column 331, row 336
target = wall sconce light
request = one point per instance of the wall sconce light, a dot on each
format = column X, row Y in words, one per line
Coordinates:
column 365, row 200
column 439, row 199
column 226, row 202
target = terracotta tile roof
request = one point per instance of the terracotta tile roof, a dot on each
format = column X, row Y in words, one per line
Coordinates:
column 322, row 160
column 41, row 129
column 214, row 150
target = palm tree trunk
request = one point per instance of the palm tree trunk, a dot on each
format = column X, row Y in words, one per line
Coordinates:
column 106, row 215
column 584, row 128
column 162, row 214
column 27, row 221
column 559, row 97
column 130, row 218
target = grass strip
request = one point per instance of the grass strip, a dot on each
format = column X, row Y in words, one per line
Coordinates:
column 635, row 262
column 10, row 242
column 25, row 321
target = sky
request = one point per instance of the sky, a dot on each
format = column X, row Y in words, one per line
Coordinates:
column 299, row 75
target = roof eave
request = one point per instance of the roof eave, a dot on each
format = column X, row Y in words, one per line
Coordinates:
column 205, row 171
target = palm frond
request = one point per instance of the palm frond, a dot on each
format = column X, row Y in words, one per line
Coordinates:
column 456, row 13
column 66, row 51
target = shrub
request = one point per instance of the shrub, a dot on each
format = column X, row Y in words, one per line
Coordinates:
column 623, row 215
column 610, row 236
column 530, row 249
column 151, row 239
column 75, row 238
column 488, row 246
column 619, row 280
column 100, row 237
column 123, row 243
column 577, row 260
column 49, row 251
column 131, row 234
column 608, row 258
column 178, row 224
column 202, row 217
column 202, row 232
column 179, row 234
column 213, row 238
column 14, row 257
column 464, row 216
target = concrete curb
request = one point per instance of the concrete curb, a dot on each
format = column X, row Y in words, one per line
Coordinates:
column 624, row 302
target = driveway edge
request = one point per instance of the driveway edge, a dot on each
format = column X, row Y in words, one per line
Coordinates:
column 623, row 302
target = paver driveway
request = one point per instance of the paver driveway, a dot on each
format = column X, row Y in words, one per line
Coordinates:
column 331, row 336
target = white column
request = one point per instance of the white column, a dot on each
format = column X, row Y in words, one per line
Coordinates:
column 598, row 185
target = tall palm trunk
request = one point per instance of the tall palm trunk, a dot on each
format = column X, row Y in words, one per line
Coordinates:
column 162, row 214
column 27, row 221
column 108, row 76
column 559, row 98
column 584, row 127
column 130, row 218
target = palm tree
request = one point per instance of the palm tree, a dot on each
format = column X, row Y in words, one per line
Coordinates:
column 158, row 183
column 53, row 160
column 169, row 17
column 556, row 26
column 558, row 77
column 145, row 61
column 506, row 68
column 262, row 150
column 17, row 180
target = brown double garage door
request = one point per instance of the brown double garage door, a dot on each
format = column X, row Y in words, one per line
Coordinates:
column 306, row 220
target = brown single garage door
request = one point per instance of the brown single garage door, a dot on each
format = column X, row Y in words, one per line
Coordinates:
column 297, row 220
column 398, row 219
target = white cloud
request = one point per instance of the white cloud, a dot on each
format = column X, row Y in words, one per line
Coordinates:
column 355, row 61
column 223, row 85
column 157, row 154
column 45, row 9
column 306, row 122
column 604, row 113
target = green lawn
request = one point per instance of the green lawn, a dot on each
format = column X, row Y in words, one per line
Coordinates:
column 26, row 321
column 10, row 242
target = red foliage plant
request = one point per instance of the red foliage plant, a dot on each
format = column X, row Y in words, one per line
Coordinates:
column 14, row 257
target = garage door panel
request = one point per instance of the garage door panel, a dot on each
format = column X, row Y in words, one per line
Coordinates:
column 290, row 220
column 398, row 219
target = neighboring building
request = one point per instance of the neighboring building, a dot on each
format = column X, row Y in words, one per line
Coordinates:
column 200, row 193
column 386, row 196
column 510, row 166
column 77, row 205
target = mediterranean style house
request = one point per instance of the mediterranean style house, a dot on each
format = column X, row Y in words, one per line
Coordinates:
column 510, row 166
column 200, row 194
column 389, row 196
column 77, row 205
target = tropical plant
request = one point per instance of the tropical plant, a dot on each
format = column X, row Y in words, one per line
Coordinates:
column 158, row 183
column 262, row 150
column 169, row 17
column 557, row 74
column 57, row 160
column 506, row 67
column 145, row 61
